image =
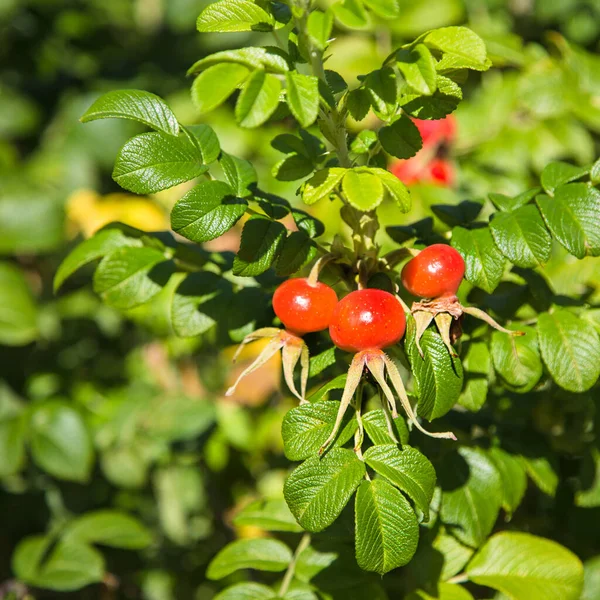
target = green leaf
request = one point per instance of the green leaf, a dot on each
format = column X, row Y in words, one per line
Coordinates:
column 517, row 359
column 401, row 139
column 337, row 383
column 476, row 363
column 240, row 174
column 381, row 86
column 258, row 100
column 206, row 140
column 438, row 376
column 558, row 173
column 363, row 142
column 60, row 442
column 591, row 584
column 408, row 469
column 247, row 591
column 321, row 184
column 572, row 217
column 595, row 173
column 319, row 489
column 437, row 106
column 152, row 162
column 293, row 167
column 387, row 532
column 207, row 211
column 69, row 566
column 261, row 243
column 263, row 554
column 521, row 565
column 484, row 264
column 136, row 105
column 461, row 48
column 307, row 223
column 395, row 190
column 503, row 202
column 306, row 427
column 234, row 15
column 471, row 494
column 109, row 528
column 12, row 444
column 589, row 494
column 570, row 349
column 212, row 87
column 376, row 427
column 298, row 250
column 417, row 65
column 542, row 472
column 101, row 243
column 319, row 26
column 270, row 59
column 514, row 478
column 303, row 97
column 18, row 311
column 445, row 591
column 386, row 9
column 358, row 103
column 362, row 189
column 131, row 276
column 522, row 236
column 351, row 14
column 271, row 515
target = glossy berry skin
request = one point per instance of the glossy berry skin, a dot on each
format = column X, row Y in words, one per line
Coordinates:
column 303, row 307
column 436, row 271
column 367, row 320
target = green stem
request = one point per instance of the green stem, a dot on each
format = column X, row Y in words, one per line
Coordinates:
column 289, row 574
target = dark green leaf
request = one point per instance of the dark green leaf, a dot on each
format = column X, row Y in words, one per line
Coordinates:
column 514, row 478
column 18, row 311
column 559, row 173
column 307, row 223
column 260, row 246
column 358, row 103
column 503, row 202
column 477, row 364
column 463, row 213
column 239, row 172
column 401, row 139
column 293, row 167
column 298, row 250
column 382, row 88
column 12, row 444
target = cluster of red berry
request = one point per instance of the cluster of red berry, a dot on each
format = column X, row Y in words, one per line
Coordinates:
column 430, row 164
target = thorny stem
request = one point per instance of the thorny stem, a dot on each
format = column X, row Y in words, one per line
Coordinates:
column 289, row 574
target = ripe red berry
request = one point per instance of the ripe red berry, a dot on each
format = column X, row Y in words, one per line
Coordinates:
column 436, row 271
column 367, row 320
column 304, row 307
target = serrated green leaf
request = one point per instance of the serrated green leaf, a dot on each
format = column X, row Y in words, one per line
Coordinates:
column 298, row 250
column 60, row 442
column 484, row 264
column 570, row 349
column 136, row 105
column 207, row 211
column 214, row 85
column 417, row 65
column 505, row 203
column 247, row 591
column 269, row 58
column 152, row 162
column 271, row 515
column 351, row 14
column 521, row 565
column 395, row 190
column 363, row 190
column 438, row 376
column 514, row 478
column 558, row 173
column 517, row 359
column 258, row 100
column 101, row 243
column 522, row 236
column 199, row 303
column 319, row 26
column 382, row 88
column 358, row 103
column 471, row 494
column 234, row 15
column 207, row 141
column 260, row 246
column 337, row 383
column 240, row 174
column 319, row 489
column 263, row 554
column 307, row 223
column 387, row 532
column 445, row 591
column 461, row 48
column 376, row 427
column 18, row 310
column 69, row 566
column 408, row 469
column 572, row 217
column 386, row 9
column 476, row 363
column 306, row 427
column 363, row 142
column 437, row 106
column 109, row 528
column 302, row 97
column 321, row 184
column 293, row 167
column 131, row 276
column 401, row 139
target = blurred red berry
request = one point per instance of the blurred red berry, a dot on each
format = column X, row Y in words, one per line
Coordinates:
column 438, row 131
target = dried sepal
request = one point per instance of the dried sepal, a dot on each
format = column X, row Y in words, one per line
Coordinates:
column 422, row 320
column 443, row 322
column 259, row 334
column 483, row 316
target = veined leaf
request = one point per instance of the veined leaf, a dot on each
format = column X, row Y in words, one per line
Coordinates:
column 258, row 100
column 401, row 139
column 214, row 85
column 302, row 96
column 362, row 189
column 261, row 243
column 321, row 184
column 270, row 59
column 234, row 15
column 461, row 48
column 476, row 363
column 558, row 173
column 417, row 65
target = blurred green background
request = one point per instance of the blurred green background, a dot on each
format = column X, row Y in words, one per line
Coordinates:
column 109, row 376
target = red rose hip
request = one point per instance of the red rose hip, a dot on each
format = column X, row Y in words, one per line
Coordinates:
column 367, row 320
column 436, row 271
column 304, row 307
